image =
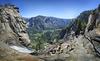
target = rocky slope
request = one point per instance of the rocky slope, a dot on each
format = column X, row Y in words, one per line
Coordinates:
column 78, row 25
column 78, row 49
column 13, row 33
column 82, row 47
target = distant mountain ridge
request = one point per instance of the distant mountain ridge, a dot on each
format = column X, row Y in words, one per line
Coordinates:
column 43, row 22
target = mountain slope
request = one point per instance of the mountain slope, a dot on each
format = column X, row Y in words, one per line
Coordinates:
column 48, row 27
column 43, row 22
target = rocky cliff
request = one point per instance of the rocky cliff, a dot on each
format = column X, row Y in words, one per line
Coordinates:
column 13, row 35
column 92, row 31
column 12, row 26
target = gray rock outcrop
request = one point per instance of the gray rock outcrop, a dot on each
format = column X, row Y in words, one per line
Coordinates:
column 12, row 26
column 13, row 33
column 92, row 31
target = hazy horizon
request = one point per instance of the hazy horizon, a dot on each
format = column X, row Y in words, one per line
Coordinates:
column 56, row 8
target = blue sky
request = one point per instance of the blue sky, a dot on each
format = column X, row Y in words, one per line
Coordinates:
column 55, row 8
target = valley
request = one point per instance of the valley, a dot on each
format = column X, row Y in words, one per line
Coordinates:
column 46, row 38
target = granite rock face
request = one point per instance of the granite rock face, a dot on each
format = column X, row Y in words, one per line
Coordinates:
column 92, row 31
column 12, row 26
column 13, row 33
